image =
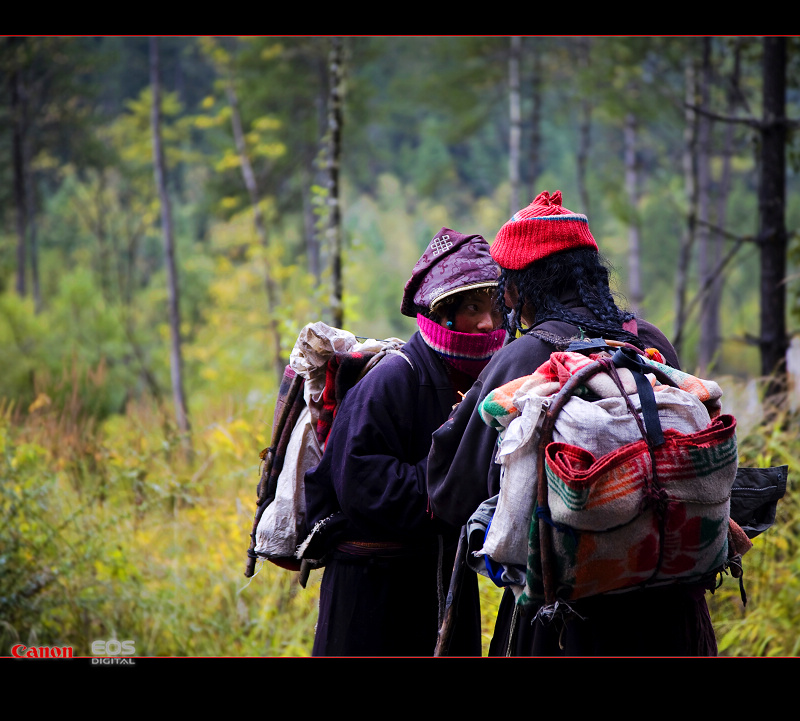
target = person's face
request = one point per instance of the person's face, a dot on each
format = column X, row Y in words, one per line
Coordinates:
column 511, row 298
column 477, row 313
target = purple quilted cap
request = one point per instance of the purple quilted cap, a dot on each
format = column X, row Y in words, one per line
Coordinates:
column 452, row 263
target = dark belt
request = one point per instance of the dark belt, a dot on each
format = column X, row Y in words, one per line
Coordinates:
column 382, row 548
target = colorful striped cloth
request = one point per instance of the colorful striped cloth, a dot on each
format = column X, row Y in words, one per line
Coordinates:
column 499, row 407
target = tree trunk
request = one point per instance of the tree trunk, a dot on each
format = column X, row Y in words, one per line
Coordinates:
column 772, row 236
column 249, row 178
column 18, row 167
column 584, row 130
column 334, row 157
column 310, row 231
column 176, row 360
column 312, row 221
column 690, row 191
column 536, row 121
column 28, row 190
column 705, row 266
column 515, row 124
column 632, row 187
column 32, row 237
column 717, row 239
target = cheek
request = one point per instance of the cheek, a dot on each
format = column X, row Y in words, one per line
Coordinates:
column 463, row 324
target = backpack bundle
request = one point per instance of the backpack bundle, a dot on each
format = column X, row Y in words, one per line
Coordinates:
column 324, row 364
column 618, row 472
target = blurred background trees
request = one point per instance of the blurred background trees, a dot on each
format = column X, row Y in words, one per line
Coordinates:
column 665, row 137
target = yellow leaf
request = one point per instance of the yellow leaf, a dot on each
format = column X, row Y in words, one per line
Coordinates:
column 204, row 121
column 266, row 122
column 42, row 401
column 228, row 161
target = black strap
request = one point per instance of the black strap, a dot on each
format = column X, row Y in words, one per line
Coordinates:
column 626, row 358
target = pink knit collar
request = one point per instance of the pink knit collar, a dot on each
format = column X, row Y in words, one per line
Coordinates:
column 469, row 352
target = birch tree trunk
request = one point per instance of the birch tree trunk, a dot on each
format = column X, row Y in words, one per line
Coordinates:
column 176, row 360
column 772, row 235
column 690, row 193
column 515, row 122
column 249, row 178
column 334, row 157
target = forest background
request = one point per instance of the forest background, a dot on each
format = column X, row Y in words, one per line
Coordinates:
column 156, row 268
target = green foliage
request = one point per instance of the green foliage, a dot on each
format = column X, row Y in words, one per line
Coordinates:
column 53, row 552
column 75, row 353
column 138, row 544
column 770, row 623
column 21, row 342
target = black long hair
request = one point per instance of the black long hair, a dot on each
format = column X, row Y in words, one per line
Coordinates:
column 543, row 283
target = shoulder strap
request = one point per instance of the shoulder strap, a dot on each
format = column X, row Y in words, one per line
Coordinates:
column 378, row 357
column 558, row 341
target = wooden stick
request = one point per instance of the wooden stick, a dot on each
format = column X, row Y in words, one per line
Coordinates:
column 448, row 622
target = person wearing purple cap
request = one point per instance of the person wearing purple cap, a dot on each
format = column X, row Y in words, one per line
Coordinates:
column 555, row 288
column 387, row 557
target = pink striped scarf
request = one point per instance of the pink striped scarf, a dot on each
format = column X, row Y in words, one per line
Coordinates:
column 469, row 352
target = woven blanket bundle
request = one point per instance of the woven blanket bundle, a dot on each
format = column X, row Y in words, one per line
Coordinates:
column 324, row 365
column 613, row 530
column 343, row 372
column 613, row 522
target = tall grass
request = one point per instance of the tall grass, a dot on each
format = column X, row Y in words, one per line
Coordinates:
column 769, row 624
column 113, row 531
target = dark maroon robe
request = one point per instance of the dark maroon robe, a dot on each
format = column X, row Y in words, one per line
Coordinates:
column 390, row 557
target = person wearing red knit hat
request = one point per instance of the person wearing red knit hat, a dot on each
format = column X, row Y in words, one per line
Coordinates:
column 555, row 289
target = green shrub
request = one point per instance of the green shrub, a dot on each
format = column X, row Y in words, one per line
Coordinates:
column 769, row 625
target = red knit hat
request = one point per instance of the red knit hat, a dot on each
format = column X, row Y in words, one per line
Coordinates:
column 541, row 229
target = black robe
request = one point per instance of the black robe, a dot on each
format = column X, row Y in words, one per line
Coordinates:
column 384, row 599
column 462, row 474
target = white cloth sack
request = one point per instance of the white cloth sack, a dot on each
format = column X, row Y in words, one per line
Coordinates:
column 276, row 535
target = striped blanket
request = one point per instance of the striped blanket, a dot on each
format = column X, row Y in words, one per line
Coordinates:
column 499, row 407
